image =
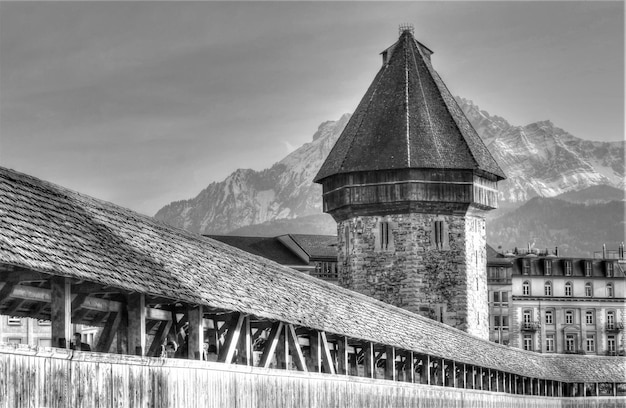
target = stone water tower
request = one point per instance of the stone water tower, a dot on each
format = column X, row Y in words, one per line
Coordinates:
column 409, row 183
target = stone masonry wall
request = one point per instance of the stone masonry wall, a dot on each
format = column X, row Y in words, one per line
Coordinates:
column 446, row 282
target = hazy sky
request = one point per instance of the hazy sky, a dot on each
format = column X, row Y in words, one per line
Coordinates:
column 143, row 103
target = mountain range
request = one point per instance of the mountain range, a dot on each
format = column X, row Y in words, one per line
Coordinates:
column 539, row 159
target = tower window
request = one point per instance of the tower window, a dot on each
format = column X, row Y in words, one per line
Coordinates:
column 439, row 235
column 384, row 235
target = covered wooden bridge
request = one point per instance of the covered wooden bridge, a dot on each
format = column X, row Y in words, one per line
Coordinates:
column 70, row 258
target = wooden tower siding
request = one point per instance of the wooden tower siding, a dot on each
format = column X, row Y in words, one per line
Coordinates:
column 410, row 172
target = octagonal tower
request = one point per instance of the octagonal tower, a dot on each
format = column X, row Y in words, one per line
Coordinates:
column 409, row 182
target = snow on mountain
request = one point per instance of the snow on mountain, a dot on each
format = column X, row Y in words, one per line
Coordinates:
column 539, row 159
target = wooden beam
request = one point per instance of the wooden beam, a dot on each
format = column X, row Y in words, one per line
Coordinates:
column 108, row 333
column 23, row 275
column 271, row 344
column 37, row 310
column 343, row 363
column 36, row 294
column 411, row 366
column 122, row 333
column 159, row 338
column 12, row 308
column 294, row 345
column 6, row 290
column 327, row 359
column 61, row 314
column 232, row 339
column 196, row 333
column 315, row 348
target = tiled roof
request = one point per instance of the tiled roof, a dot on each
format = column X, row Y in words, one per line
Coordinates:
column 53, row 230
column 267, row 247
column 317, row 246
column 408, row 119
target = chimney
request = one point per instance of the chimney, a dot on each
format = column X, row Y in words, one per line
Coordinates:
column 556, row 251
column 603, row 251
column 621, row 250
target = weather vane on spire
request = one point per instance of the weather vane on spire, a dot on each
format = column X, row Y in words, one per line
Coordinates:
column 406, row 27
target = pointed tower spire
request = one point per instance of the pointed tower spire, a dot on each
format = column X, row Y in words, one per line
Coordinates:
column 409, row 182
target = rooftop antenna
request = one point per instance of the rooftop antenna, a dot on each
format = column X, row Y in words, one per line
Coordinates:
column 402, row 28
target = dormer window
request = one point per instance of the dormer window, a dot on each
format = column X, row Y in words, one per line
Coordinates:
column 567, row 266
column 548, row 266
column 609, row 269
column 526, row 266
column 588, row 268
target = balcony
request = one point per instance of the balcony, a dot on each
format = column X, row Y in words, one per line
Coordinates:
column 531, row 326
column 614, row 327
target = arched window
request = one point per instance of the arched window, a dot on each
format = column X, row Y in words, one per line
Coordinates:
column 588, row 289
column 526, row 288
column 609, row 290
column 547, row 288
column 568, row 288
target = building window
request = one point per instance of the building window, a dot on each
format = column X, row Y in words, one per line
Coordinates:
column 526, row 288
column 588, row 289
column 548, row 266
column 610, row 344
column 505, row 298
column 496, row 298
column 547, row 288
column 568, row 267
column 591, row 343
column 549, row 317
column 526, row 266
column 609, row 290
column 568, row 289
column 326, row 270
column 570, row 343
column 14, row 340
column 14, row 321
column 609, row 269
column 569, row 317
column 549, row 342
column 589, row 317
column 528, row 342
column 610, row 319
column 383, row 230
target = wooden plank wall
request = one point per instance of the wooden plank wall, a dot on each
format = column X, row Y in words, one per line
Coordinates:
column 58, row 378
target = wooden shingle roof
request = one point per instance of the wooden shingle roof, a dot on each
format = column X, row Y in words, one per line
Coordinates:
column 50, row 229
column 408, row 119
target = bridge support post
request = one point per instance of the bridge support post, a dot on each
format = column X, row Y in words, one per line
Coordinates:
column 343, row 364
column 136, row 304
column 390, row 363
column 196, row 332
column 61, row 311
column 368, row 359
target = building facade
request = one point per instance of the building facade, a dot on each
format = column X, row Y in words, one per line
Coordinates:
column 409, row 182
column 551, row 304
